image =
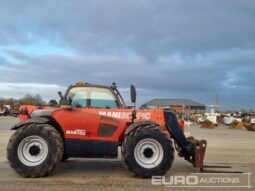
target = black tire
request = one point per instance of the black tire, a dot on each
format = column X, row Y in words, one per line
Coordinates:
column 138, row 137
column 65, row 156
column 50, row 146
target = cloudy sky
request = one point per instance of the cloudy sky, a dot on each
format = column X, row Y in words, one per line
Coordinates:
column 168, row 49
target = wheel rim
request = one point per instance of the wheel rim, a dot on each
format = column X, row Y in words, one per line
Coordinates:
column 32, row 150
column 148, row 153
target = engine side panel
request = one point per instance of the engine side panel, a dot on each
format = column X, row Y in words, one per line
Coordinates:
column 88, row 126
column 90, row 135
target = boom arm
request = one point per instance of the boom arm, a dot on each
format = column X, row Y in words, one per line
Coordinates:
column 191, row 149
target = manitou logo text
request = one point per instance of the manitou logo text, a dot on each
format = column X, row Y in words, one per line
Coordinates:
column 126, row 115
column 76, row 132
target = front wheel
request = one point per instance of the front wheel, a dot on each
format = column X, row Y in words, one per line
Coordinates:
column 34, row 150
column 147, row 151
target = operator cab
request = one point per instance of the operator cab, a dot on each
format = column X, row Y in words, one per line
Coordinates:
column 84, row 95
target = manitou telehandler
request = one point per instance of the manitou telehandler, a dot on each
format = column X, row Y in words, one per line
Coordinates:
column 93, row 121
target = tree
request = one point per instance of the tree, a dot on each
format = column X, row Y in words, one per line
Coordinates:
column 27, row 100
column 32, row 100
column 243, row 110
column 37, row 99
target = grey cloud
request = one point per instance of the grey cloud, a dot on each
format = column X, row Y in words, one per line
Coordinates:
column 148, row 28
column 182, row 78
column 188, row 49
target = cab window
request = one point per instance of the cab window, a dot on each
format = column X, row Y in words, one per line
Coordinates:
column 94, row 97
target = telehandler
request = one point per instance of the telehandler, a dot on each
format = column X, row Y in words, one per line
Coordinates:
column 93, row 121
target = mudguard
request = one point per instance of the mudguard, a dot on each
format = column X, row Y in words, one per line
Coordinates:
column 39, row 120
column 42, row 113
column 138, row 124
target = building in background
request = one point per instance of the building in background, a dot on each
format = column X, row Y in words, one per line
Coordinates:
column 182, row 106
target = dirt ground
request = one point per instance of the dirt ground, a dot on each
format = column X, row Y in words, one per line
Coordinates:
column 235, row 148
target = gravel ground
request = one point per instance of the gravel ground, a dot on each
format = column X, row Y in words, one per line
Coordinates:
column 235, row 148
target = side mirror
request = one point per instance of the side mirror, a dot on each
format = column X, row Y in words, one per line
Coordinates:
column 133, row 93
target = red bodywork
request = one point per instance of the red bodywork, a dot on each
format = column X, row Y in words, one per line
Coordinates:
column 83, row 123
column 93, row 121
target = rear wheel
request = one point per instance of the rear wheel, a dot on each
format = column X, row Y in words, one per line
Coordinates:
column 147, row 151
column 34, row 150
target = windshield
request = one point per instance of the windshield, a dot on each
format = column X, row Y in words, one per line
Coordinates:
column 95, row 97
